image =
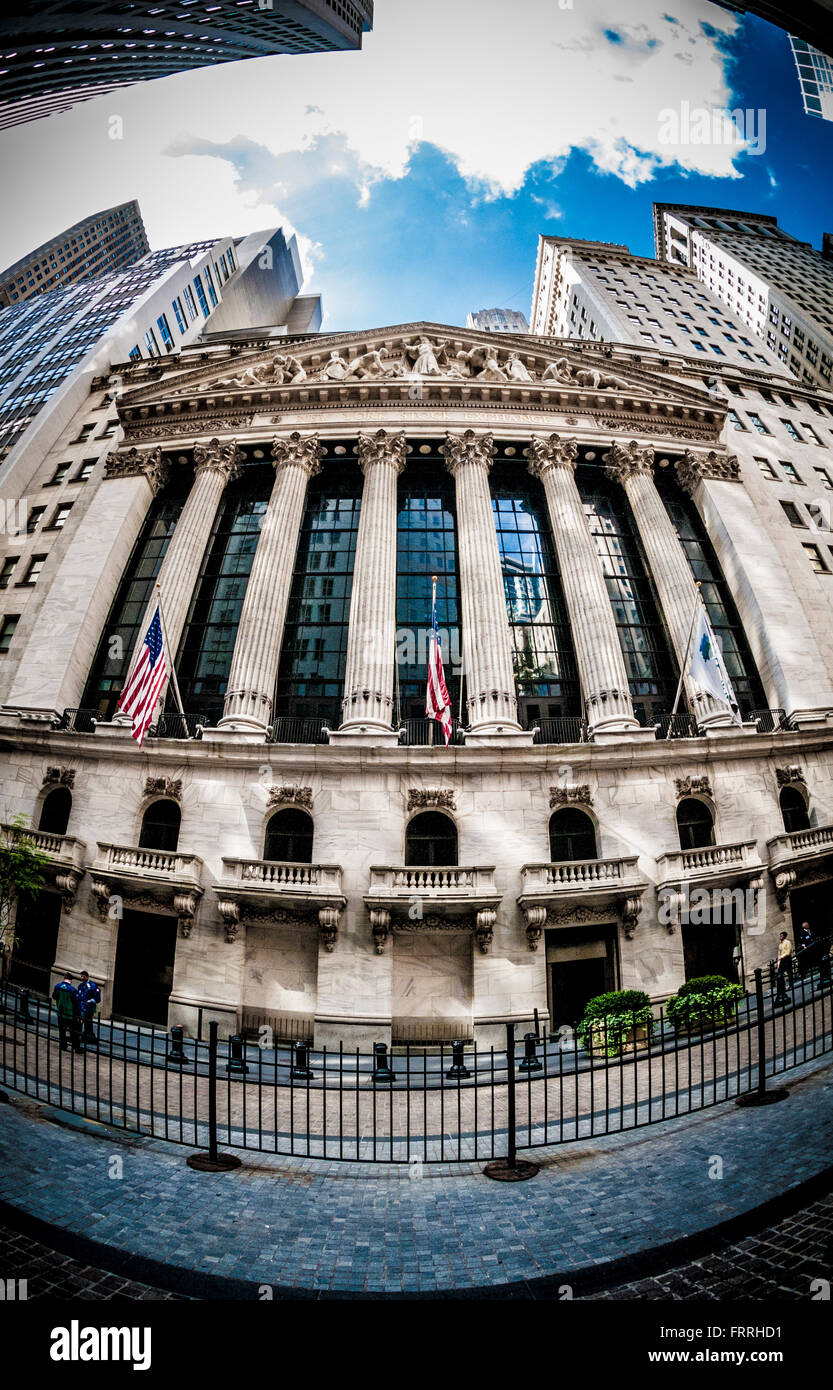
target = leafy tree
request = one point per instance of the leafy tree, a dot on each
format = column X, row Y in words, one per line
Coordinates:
column 22, row 873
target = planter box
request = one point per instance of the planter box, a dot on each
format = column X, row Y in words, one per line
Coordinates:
column 705, row 1023
column 633, row 1041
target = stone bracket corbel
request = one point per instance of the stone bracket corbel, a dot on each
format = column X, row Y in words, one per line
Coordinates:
column 185, row 905
column 484, row 929
column 67, row 884
column 785, row 881
column 535, row 920
column 631, row 909
column 380, row 928
column 230, row 912
column 328, row 918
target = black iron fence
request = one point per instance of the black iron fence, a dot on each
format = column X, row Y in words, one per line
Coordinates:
column 405, row 1105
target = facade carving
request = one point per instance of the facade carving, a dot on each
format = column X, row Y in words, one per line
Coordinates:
column 291, row 796
column 693, row 786
column 421, row 797
column 571, row 796
column 133, row 463
column 695, row 468
column 59, row 777
column 163, row 786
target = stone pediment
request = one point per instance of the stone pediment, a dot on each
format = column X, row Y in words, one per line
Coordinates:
column 413, row 364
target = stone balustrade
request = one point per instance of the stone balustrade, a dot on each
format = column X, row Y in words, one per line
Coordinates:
column 279, row 891
column 169, row 865
column 427, row 896
column 710, row 862
column 157, row 879
column 66, row 857
column 270, row 875
column 550, row 892
column 795, row 854
column 467, row 881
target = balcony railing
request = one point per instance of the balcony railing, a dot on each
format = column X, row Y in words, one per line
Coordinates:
column 427, row 733
column 565, row 730
column 801, row 844
column 77, row 721
column 290, row 729
column 570, row 876
column 466, row 881
column 175, row 725
column 272, row 876
column 709, row 862
column 170, row 865
column 59, row 847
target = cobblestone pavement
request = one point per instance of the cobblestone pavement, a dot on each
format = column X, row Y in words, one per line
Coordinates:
column 306, row 1227
column 50, row 1274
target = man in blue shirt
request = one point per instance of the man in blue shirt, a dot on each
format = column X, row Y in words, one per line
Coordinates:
column 89, row 998
column 67, row 1007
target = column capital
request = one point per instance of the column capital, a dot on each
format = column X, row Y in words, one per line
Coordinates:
column 552, row 452
column 692, row 468
column 382, row 447
column 214, row 457
column 297, row 448
column 131, row 463
column 468, row 448
column 626, row 460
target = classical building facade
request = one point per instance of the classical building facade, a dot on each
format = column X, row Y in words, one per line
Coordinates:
column 305, row 851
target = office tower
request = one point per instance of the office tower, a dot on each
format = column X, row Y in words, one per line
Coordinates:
column 600, row 291
column 815, row 75
column 780, row 287
column 812, row 20
column 498, row 320
column 95, row 246
column 52, row 56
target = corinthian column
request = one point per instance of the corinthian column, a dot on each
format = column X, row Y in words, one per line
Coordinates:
column 633, row 466
column 215, row 465
column 257, row 648
column 601, row 665
column 487, row 648
column 368, row 677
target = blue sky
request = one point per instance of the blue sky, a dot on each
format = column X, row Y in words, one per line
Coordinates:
column 419, row 173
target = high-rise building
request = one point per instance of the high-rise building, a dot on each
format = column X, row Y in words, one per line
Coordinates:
column 780, row 287
column 53, row 346
column 95, row 246
column 53, row 55
column 815, row 75
column 599, row 291
column 312, row 857
column 498, row 320
column 811, row 20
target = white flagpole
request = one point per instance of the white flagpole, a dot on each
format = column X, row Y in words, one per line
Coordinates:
column 684, row 666
column 171, row 671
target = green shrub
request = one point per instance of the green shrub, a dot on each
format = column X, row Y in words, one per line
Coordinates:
column 708, row 1000
column 615, row 1015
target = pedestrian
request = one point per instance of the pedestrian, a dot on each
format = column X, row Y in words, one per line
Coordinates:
column 783, row 971
column 65, row 996
column 805, row 936
column 89, row 998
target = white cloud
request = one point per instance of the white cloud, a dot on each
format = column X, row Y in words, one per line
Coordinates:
column 497, row 87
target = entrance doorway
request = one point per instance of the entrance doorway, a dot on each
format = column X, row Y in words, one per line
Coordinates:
column 36, row 930
column 144, row 967
column 813, row 904
column 581, row 963
column 709, row 949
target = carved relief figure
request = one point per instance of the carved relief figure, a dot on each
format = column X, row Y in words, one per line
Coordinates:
column 425, row 356
column 558, row 371
column 492, row 370
column 516, row 369
column 373, row 364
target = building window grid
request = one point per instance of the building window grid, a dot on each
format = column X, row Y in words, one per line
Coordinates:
column 426, row 545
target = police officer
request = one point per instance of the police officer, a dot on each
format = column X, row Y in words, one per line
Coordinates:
column 89, row 998
column 67, row 1007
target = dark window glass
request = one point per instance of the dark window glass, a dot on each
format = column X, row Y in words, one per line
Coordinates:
column 651, row 668
column 426, row 545
column 289, row 837
column 695, row 824
column 311, row 671
column 723, row 615
column 160, row 826
column 129, row 608
column 543, row 656
column 431, row 839
column 572, row 836
column 54, row 813
column 793, row 810
column 206, row 650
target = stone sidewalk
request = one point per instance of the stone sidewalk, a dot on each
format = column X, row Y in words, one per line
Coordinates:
column 314, row 1229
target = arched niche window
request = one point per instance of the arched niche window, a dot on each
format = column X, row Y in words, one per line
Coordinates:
column 54, row 813
column 431, row 838
column 794, row 810
column 695, row 824
column 572, row 835
column 160, row 826
column 289, row 837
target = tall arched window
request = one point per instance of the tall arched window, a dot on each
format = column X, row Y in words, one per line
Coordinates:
column 431, row 838
column 54, row 813
column 794, row 810
column 572, row 835
column 160, row 826
column 695, row 824
column 289, row 837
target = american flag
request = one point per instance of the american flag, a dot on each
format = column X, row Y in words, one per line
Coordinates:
column 437, row 703
column 141, row 694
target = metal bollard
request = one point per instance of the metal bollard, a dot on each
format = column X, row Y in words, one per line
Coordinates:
column 177, row 1053
column 236, row 1062
column 300, row 1069
column 381, row 1066
column 23, row 1006
column 458, row 1071
column 531, row 1061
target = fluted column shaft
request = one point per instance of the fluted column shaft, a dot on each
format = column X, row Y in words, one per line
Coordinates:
column 371, row 640
column 257, row 648
column 632, row 466
column 601, row 665
column 215, row 464
column 487, row 646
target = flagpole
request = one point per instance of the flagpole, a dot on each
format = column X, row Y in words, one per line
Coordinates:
column 173, row 678
column 684, row 666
